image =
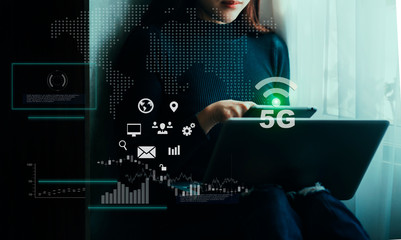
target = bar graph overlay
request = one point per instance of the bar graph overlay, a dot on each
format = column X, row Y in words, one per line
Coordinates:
column 123, row 195
column 174, row 151
column 184, row 187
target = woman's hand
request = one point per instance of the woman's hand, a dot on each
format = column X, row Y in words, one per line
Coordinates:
column 221, row 111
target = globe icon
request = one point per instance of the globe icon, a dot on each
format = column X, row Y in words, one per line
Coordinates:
column 145, row 105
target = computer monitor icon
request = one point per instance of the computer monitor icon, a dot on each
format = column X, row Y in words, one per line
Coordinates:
column 134, row 129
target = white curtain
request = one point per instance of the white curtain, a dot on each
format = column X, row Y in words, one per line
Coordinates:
column 344, row 58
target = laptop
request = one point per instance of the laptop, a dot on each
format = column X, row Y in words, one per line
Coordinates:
column 335, row 153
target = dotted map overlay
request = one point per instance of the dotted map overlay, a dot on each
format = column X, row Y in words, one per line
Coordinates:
column 221, row 49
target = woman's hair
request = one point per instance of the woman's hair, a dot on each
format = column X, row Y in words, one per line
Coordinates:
column 163, row 11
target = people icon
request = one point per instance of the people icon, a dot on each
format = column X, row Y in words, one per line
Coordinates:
column 162, row 127
column 162, row 130
column 169, row 125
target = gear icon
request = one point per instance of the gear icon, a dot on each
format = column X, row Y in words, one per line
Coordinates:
column 186, row 131
column 192, row 125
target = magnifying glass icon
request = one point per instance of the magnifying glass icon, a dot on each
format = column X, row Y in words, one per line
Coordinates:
column 123, row 144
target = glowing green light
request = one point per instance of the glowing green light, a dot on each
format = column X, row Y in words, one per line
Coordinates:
column 276, row 102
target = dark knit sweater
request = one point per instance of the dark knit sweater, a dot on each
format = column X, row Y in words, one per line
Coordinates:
column 194, row 64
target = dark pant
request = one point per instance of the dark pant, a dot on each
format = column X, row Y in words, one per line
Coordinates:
column 270, row 215
column 267, row 214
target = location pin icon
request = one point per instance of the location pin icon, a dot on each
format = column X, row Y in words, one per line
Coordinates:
column 173, row 106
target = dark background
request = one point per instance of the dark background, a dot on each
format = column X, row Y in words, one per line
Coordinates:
column 58, row 147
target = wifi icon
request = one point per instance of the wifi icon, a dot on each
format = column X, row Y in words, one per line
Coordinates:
column 276, row 101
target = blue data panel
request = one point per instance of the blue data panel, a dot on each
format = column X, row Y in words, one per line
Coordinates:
column 53, row 86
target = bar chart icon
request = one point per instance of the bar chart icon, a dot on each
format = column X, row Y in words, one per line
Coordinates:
column 174, row 151
column 122, row 195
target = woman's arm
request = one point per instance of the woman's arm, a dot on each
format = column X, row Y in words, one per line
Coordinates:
column 147, row 84
column 221, row 111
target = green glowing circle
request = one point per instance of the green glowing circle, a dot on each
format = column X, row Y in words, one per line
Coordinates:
column 276, row 102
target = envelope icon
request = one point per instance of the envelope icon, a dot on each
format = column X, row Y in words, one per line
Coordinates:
column 146, row 152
